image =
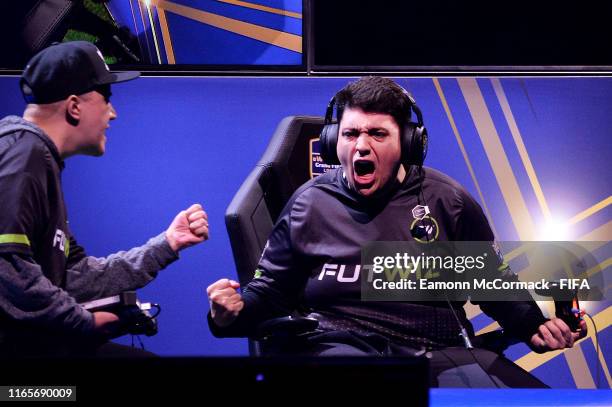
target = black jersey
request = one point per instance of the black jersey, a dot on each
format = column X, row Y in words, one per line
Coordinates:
column 311, row 260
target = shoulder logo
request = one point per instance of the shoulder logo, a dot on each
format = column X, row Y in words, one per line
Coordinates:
column 424, row 228
column 420, row 211
column 61, row 242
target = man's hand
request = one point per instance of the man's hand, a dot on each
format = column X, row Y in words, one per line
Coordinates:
column 555, row 334
column 225, row 302
column 107, row 324
column 189, row 227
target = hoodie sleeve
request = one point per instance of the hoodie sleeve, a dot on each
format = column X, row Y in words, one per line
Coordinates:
column 26, row 295
column 90, row 278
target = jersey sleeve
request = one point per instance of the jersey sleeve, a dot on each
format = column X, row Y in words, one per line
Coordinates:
column 519, row 318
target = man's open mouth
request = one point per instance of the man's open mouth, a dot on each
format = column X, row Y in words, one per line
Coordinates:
column 364, row 171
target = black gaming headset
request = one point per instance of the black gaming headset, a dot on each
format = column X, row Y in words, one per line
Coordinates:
column 413, row 137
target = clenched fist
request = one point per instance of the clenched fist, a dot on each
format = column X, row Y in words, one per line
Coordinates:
column 189, row 227
column 225, row 302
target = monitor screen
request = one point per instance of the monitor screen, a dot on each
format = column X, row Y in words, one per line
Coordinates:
column 444, row 34
column 164, row 35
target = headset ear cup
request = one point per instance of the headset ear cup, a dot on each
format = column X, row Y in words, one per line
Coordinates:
column 328, row 143
column 414, row 145
column 423, row 142
column 408, row 145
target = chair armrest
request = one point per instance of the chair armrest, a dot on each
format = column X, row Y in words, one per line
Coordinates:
column 285, row 327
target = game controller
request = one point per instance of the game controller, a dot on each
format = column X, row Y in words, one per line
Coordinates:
column 135, row 317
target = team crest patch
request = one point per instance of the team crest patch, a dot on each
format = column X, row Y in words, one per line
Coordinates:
column 424, row 227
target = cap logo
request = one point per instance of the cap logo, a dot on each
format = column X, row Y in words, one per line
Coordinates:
column 102, row 58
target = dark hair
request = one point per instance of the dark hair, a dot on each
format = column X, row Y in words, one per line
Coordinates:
column 375, row 94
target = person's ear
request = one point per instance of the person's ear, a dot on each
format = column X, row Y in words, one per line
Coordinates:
column 73, row 109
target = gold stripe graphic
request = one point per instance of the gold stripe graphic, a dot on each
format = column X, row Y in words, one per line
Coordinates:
column 451, row 120
column 144, row 28
column 263, row 8
column 152, row 25
column 497, row 158
column 166, row 36
column 506, row 180
column 518, row 140
column 588, row 212
column 602, row 361
column 491, row 327
column 602, row 233
column 520, row 214
column 471, row 310
column 579, row 368
column 268, row 35
column 501, row 167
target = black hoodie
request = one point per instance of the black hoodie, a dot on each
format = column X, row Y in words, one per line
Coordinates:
column 309, row 263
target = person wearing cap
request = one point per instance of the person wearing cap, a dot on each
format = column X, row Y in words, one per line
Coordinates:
column 44, row 273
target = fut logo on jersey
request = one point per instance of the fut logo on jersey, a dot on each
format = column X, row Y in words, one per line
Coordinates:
column 341, row 272
column 60, row 240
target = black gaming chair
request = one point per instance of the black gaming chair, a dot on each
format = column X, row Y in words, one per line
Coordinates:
column 285, row 165
column 256, row 206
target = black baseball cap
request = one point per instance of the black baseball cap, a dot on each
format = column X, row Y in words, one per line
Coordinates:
column 64, row 69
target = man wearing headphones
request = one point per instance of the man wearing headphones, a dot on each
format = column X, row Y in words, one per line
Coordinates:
column 44, row 274
column 309, row 265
